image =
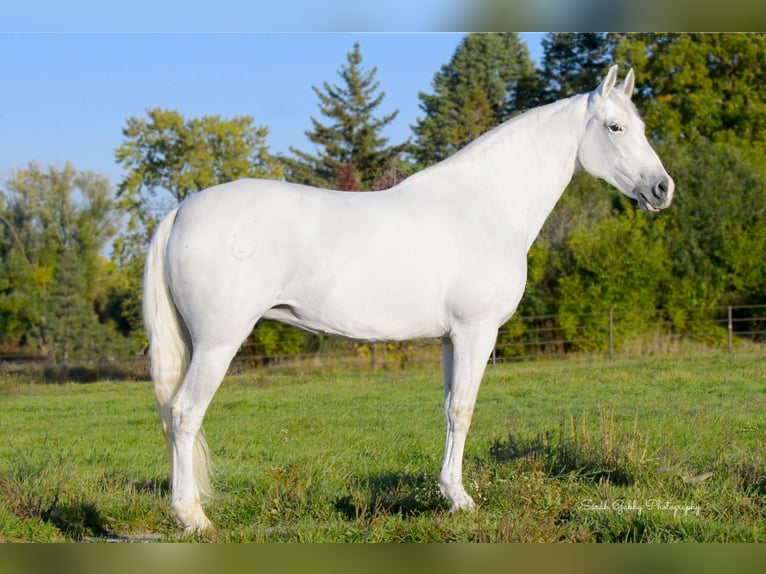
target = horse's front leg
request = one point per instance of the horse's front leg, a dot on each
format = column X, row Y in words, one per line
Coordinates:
column 464, row 359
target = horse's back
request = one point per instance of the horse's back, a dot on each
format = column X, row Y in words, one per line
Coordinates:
column 356, row 264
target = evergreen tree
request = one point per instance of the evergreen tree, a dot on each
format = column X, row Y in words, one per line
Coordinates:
column 480, row 88
column 351, row 153
column 72, row 330
column 573, row 63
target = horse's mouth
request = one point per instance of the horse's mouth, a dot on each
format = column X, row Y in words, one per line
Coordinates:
column 647, row 207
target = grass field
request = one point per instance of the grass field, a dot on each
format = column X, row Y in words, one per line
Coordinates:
column 654, row 450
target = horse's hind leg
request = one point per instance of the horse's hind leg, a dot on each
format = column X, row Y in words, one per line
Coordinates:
column 189, row 474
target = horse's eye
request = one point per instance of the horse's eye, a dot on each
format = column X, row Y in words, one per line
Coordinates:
column 616, row 128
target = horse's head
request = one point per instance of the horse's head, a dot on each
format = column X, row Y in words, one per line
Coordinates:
column 614, row 146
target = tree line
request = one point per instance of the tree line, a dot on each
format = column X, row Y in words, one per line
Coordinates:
column 72, row 247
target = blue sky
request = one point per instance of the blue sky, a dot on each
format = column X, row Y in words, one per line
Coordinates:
column 234, row 15
column 67, row 85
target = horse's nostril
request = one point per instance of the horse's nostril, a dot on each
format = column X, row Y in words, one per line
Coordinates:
column 660, row 190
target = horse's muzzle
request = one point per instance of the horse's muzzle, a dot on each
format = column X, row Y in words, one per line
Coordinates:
column 658, row 197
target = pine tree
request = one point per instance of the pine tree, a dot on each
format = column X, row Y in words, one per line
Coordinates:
column 573, row 63
column 351, row 153
column 477, row 90
column 72, row 330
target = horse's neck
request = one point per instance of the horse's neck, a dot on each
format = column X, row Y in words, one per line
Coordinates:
column 525, row 164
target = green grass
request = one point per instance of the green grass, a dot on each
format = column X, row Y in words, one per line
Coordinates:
column 653, row 450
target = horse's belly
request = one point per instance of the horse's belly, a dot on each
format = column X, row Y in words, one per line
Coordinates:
column 374, row 315
column 355, row 327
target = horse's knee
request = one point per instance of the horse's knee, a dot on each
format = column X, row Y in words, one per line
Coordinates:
column 459, row 418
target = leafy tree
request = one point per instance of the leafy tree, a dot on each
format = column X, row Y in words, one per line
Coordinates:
column 54, row 226
column 168, row 157
column 700, row 85
column 702, row 97
column 586, row 203
column 179, row 156
column 476, row 91
column 717, row 233
column 350, row 153
column 621, row 263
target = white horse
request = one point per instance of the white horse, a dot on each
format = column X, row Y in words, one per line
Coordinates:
column 441, row 254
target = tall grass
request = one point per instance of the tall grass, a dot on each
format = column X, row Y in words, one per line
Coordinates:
column 640, row 450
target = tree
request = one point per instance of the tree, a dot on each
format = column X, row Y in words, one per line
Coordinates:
column 584, row 204
column 72, row 330
column 54, row 226
column 178, row 156
column 573, row 63
column 703, row 100
column 351, row 153
column 477, row 90
column 167, row 158
column 620, row 263
column 700, row 85
column 717, row 233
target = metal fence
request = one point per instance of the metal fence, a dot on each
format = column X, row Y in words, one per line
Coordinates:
column 611, row 333
column 633, row 332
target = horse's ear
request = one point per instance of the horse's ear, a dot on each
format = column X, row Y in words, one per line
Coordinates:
column 628, row 84
column 608, row 82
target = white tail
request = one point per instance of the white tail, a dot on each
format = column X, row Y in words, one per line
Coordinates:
column 169, row 349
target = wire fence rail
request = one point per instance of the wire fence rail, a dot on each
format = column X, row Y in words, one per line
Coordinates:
column 611, row 333
column 631, row 332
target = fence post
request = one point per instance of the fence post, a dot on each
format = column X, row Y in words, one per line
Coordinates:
column 611, row 335
column 374, row 356
column 730, row 329
column 494, row 355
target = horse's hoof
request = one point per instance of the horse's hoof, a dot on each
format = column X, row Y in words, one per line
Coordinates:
column 194, row 520
column 469, row 506
column 462, row 502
